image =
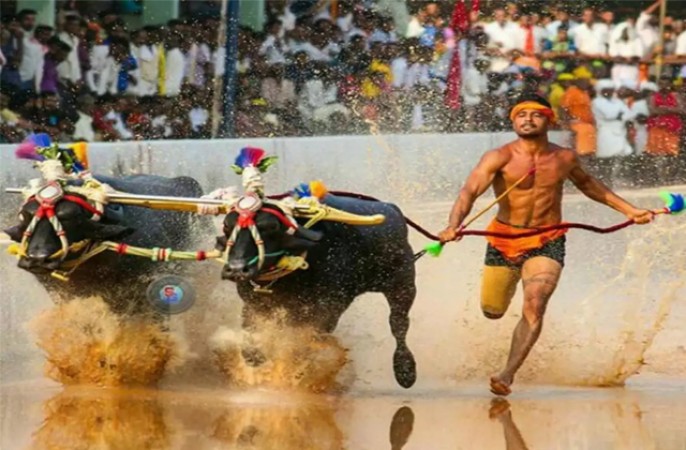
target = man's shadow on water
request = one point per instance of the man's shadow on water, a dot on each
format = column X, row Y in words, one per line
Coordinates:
column 500, row 410
column 401, row 427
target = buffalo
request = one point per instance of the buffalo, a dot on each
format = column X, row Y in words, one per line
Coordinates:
column 344, row 261
column 120, row 280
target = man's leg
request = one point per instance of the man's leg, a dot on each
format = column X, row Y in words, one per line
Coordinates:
column 498, row 286
column 540, row 275
column 498, row 283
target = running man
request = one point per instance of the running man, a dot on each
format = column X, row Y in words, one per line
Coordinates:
column 535, row 202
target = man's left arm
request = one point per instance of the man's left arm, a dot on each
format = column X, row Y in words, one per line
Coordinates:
column 594, row 189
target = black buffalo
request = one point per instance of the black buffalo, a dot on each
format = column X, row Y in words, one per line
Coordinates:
column 345, row 261
column 120, row 280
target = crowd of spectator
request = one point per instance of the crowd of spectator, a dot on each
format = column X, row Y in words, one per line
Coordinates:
column 346, row 67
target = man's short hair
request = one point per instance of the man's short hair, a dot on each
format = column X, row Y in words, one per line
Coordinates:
column 26, row 12
column 43, row 28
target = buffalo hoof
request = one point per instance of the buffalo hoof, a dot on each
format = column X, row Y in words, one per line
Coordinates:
column 404, row 367
column 253, row 357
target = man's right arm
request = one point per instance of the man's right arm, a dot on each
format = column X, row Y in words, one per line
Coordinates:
column 478, row 181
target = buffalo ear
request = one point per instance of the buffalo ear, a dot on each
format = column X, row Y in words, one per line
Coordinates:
column 221, row 243
column 15, row 233
column 294, row 243
column 101, row 232
column 310, row 235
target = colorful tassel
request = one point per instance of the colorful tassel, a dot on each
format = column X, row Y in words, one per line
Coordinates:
column 434, row 249
column 301, row 191
column 674, row 202
column 80, row 150
column 318, row 189
column 252, row 156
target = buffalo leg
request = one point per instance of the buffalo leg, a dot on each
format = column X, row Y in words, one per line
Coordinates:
column 400, row 301
column 252, row 355
column 331, row 312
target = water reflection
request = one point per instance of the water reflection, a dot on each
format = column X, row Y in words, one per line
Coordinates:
column 90, row 418
column 401, row 427
column 500, row 411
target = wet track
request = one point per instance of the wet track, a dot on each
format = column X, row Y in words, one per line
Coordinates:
column 619, row 310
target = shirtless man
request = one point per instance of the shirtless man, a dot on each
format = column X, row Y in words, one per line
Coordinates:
column 535, row 202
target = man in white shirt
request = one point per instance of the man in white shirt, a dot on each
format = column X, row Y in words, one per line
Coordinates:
column 147, row 57
column 83, row 129
column 589, row 38
column 70, row 69
column 606, row 27
column 562, row 18
column 35, row 48
column 520, row 35
column 647, row 28
column 611, row 116
column 681, row 50
column 273, row 48
column 31, row 52
column 626, row 52
column 500, row 40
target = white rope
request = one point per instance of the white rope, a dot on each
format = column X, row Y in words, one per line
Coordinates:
column 252, row 180
column 52, row 170
column 228, row 194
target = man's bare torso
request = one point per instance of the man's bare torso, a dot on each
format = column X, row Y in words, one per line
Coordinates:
column 536, row 201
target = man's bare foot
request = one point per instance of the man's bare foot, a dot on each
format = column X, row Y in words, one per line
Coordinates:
column 501, row 385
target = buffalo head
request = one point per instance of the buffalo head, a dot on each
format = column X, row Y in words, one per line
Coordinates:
column 42, row 252
column 249, row 227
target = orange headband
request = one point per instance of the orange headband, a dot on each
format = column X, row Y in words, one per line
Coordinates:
column 549, row 113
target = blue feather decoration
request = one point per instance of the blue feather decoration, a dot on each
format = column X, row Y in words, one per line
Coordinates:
column 40, row 139
column 302, row 191
column 29, row 149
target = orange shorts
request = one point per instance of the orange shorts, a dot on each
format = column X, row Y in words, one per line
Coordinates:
column 513, row 250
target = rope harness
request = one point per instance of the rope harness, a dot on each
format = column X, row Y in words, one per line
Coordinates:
column 47, row 199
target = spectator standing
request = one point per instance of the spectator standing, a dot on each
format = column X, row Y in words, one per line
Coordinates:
column 500, row 40
column 578, row 115
column 647, row 29
column 640, row 113
column 70, row 69
column 612, row 118
column 562, row 19
column 57, row 53
column 665, row 122
column 589, row 38
column 626, row 52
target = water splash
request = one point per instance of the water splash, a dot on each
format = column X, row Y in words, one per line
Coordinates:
column 290, row 358
column 86, row 343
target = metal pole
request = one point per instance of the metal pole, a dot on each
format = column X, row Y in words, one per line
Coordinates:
column 218, row 79
column 230, row 69
column 661, row 47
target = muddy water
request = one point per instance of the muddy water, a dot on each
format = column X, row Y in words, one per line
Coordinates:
column 617, row 317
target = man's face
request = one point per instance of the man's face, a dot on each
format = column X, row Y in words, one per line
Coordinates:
column 562, row 16
column 28, row 22
column 141, row 38
column 588, row 16
column 499, row 15
column 43, row 36
column 562, row 36
column 608, row 16
column 51, row 103
column 432, row 9
column 72, row 27
column 530, row 123
column 665, row 84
